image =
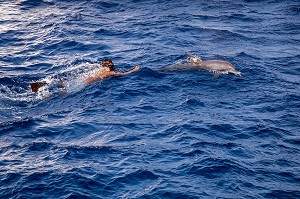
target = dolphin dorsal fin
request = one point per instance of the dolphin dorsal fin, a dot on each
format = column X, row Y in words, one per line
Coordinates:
column 193, row 58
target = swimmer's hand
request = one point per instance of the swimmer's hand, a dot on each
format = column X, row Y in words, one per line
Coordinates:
column 137, row 68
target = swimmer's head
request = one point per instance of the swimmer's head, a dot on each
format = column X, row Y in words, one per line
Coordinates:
column 108, row 64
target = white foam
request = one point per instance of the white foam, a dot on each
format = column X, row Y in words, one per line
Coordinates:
column 72, row 78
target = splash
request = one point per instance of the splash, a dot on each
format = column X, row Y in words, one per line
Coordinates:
column 69, row 80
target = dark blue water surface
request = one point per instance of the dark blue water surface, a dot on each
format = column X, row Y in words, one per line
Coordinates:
column 150, row 134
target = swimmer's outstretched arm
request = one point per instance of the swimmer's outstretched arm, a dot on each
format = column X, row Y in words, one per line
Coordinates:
column 105, row 74
column 128, row 72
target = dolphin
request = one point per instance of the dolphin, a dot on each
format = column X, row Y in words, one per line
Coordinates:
column 217, row 67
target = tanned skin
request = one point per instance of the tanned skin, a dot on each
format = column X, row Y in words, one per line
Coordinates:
column 102, row 74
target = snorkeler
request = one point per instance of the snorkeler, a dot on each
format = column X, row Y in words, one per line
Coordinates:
column 107, row 69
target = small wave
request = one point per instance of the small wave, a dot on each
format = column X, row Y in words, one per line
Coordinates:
column 264, row 131
column 176, row 193
column 194, row 153
column 139, row 177
column 214, row 168
column 88, row 148
column 192, row 103
column 39, row 146
column 227, row 145
column 64, row 45
column 29, row 4
column 294, row 140
column 77, row 150
column 15, row 121
column 107, row 32
column 213, row 34
column 282, row 194
column 107, row 5
column 246, row 55
column 242, row 18
column 224, row 128
column 295, row 9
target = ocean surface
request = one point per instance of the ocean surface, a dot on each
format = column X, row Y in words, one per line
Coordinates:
column 150, row 134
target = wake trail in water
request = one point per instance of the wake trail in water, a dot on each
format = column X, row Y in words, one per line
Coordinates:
column 16, row 94
column 69, row 80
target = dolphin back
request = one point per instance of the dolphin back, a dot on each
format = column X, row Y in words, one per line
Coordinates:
column 181, row 67
column 201, row 65
column 215, row 66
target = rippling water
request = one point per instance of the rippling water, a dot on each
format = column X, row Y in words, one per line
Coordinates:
column 151, row 134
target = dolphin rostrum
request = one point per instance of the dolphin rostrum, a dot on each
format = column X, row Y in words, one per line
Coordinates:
column 215, row 66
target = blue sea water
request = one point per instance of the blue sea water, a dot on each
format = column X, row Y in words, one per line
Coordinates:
column 150, row 134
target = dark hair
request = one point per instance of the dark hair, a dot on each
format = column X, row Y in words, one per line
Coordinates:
column 108, row 64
